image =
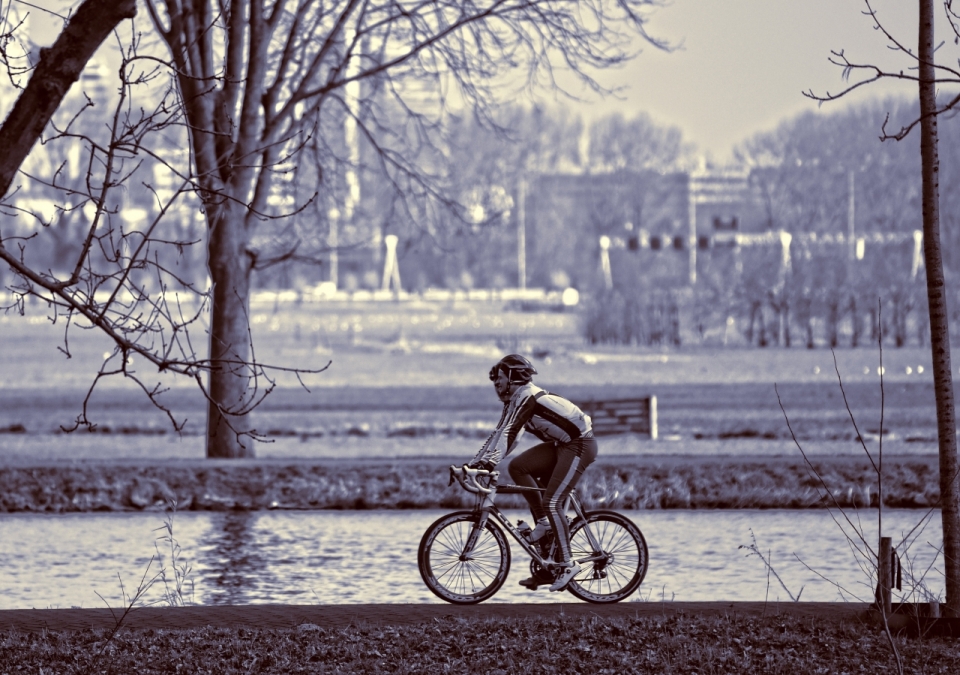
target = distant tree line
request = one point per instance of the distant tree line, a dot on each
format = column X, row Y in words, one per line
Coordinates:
column 481, row 164
column 851, row 207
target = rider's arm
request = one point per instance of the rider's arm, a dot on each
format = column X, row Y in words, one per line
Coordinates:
column 515, row 415
column 486, row 450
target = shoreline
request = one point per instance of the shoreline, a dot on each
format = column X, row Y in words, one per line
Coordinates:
column 651, row 458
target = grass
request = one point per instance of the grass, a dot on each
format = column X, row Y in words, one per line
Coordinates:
column 667, row 644
column 455, row 347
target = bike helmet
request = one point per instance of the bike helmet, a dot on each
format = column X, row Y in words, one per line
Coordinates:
column 518, row 369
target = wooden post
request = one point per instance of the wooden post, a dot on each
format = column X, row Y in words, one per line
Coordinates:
column 883, row 574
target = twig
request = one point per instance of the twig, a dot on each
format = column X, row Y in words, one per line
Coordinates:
column 129, row 605
column 754, row 550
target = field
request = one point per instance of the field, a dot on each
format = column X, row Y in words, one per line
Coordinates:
column 450, row 345
column 425, row 358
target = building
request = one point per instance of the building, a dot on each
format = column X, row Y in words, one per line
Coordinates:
column 633, row 228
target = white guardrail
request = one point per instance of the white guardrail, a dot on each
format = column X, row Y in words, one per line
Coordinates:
column 320, row 295
column 325, row 293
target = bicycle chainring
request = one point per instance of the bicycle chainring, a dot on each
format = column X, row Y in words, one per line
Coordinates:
column 541, row 574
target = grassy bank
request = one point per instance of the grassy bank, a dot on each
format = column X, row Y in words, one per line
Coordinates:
column 622, row 483
column 676, row 644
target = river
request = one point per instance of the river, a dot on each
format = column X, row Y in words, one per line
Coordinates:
column 351, row 557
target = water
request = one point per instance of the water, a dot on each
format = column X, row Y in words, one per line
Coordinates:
column 351, row 557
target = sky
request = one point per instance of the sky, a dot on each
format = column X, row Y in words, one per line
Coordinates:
column 741, row 65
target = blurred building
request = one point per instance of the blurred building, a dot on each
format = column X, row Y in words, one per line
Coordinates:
column 656, row 227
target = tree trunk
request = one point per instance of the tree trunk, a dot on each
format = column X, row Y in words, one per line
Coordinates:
column 833, row 322
column 939, row 316
column 787, row 337
column 675, row 323
column 898, row 321
column 761, row 326
column 854, row 322
column 230, row 392
column 60, row 66
column 807, row 311
column 753, row 318
column 776, row 322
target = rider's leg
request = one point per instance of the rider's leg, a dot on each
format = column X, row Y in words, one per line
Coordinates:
column 533, row 468
column 572, row 459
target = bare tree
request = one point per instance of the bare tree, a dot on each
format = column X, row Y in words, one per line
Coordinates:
column 801, row 171
column 248, row 88
column 255, row 80
column 928, row 75
column 79, row 196
column 486, row 160
column 636, row 144
column 820, row 175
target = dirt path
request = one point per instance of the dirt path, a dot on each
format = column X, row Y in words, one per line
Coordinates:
column 338, row 616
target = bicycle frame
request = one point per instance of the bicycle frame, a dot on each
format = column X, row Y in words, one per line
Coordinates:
column 486, row 508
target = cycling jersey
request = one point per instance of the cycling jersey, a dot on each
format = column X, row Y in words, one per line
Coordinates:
column 549, row 417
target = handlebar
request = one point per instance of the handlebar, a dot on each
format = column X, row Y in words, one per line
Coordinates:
column 467, row 478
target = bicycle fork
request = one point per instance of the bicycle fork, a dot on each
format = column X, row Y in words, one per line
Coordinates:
column 474, row 536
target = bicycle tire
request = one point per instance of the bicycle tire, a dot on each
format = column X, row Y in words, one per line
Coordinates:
column 463, row 582
column 619, row 576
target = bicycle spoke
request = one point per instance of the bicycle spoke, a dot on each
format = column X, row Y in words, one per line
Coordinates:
column 615, row 572
column 473, row 573
column 454, row 539
column 622, row 542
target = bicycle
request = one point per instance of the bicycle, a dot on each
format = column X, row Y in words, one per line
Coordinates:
column 464, row 557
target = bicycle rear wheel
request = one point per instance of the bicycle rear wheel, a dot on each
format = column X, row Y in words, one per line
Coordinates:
column 618, row 568
column 463, row 579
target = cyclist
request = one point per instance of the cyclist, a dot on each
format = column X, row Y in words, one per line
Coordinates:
column 556, row 464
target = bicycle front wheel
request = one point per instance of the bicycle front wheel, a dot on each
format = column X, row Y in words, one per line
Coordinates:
column 617, row 565
column 457, row 576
